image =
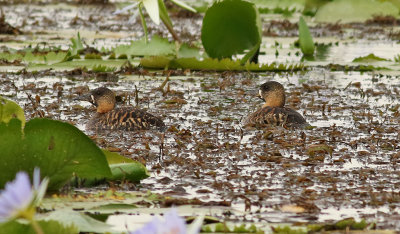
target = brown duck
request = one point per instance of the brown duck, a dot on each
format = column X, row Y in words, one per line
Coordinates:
column 274, row 112
column 108, row 117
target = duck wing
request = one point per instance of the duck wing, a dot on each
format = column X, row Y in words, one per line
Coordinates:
column 127, row 118
column 277, row 116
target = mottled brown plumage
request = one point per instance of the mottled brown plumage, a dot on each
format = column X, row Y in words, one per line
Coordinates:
column 124, row 118
column 273, row 111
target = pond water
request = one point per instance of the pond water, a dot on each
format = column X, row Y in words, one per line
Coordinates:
column 206, row 153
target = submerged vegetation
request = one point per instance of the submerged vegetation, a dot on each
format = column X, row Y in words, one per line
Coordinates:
column 200, row 71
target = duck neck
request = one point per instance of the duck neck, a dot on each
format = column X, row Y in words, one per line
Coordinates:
column 275, row 100
column 105, row 107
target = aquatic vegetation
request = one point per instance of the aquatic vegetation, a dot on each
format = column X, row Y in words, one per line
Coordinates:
column 305, row 38
column 354, row 11
column 369, row 59
column 156, row 46
column 285, row 7
column 172, row 223
column 156, row 10
column 125, row 169
column 230, row 228
column 19, row 199
column 60, row 150
column 231, row 27
column 161, row 62
column 75, row 48
column 103, row 68
column 10, row 110
column 346, row 164
column 397, row 58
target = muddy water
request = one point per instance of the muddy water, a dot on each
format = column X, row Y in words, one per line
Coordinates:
column 206, row 153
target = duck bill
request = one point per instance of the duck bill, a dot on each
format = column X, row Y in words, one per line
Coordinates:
column 255, row 93
column 88, row 97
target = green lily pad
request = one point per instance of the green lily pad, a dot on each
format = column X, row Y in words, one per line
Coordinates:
column 369, row 59
column 305, row 38
column 10, row 110
column 215, row 64
column 230, row 27
column 122, row 168
column 51, row 226
column 133, row 172
column 186, row 51
column 87, row 63
column 115, row 207
column 29, row 57
column 125, row 168
column 158, row 62
column 262, row 5
column 83, row 222
column 11, row 57
column 44, row 58
column 345, row 11
column 57, row 148
column 156, row 46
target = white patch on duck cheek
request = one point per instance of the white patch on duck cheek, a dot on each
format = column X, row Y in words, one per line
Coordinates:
column 260, row 93
column 92, row 97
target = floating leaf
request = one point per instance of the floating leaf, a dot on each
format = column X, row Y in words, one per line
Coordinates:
column 114, row 158
column 11, row 57
column 123, row 168
column 57, row 148
column 345, row 11
column 186, row 51
column 228, row 227
column 83, row 222
column 369, row 59
column 159, row 62
column 274, row 5
column 10, row 110
column 114, row 207
column 215, row 64
column 134, row 172
column 156, row 46
column 51, row 226
column 107, row 65
column 305, row 38
column 52, row 57
column 345, row 223
column 287, row 229
column 360, row 225
column 230, row 27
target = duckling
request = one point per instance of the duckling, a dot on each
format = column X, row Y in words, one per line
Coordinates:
column 274, row 112
column 124, row 118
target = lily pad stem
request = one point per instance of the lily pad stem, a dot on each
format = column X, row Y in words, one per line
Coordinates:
column 171, row 30
column 36, row 227
column 143, row 22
